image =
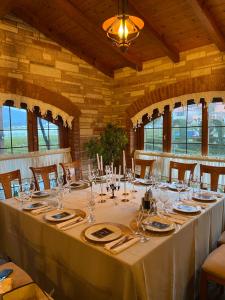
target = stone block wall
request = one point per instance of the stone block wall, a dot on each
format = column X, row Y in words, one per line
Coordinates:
column 28, row 55
column 130, row 85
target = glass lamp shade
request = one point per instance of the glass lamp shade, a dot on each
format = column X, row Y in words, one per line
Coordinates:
column 123, row 29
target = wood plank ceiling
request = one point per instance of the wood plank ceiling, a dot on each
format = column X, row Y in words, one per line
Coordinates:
column 171, row 26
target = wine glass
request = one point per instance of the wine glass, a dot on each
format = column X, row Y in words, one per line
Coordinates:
column 179, row 187
column 91, row 206
column 139, row 221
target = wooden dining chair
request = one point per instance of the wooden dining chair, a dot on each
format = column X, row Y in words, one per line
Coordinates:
column 144, row 163
column 73, row 169
column 213, row 270
column 44, row 172
column 182, row 168
column 214, row 172
column 6, row 179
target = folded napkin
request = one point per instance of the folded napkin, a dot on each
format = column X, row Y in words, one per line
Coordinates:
column 71, row 223
column 131, row 241
column 41, row 210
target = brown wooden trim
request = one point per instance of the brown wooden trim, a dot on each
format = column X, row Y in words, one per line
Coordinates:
column 167, row 119
column 32, row 131
column 204, row 128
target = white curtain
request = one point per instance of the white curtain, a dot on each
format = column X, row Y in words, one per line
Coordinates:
column 161, row 166
column 33, row 159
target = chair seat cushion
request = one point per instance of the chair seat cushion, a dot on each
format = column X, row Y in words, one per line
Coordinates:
column 19, row 276
column 215, row 263
column 221, row 240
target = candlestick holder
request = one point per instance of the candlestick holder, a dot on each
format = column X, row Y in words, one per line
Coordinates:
column 125, row 193
column 113, row 187
column 101, row 194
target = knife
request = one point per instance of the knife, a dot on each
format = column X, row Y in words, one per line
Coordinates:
column 72, row 223
column 121, row 242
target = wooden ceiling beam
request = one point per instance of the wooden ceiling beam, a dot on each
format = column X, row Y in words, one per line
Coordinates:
column 5, row 7
column 60, row 39
column 79, row 18
column 168, row 49
column 208, row 23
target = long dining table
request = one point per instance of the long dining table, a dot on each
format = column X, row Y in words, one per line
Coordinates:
column 165, row 267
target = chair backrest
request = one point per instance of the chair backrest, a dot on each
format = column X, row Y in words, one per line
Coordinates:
column 6, row 179
column 144, row 163
column 214, row 172
column 44, row 173
column 73, row 169
column 182, row 168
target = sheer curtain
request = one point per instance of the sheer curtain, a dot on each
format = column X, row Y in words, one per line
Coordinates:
column 33, row 159
column 162, row 163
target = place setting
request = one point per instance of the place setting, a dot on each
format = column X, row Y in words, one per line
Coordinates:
column 112, row 237
column 65, row 219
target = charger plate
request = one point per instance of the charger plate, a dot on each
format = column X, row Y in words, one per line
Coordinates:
column 158, row 224
column 205, row 197
column 103, row 232
column 34, row 205
column 77, row 184
column 187, row 209
column 173, row 187
column 64, row 214
column 40, row 194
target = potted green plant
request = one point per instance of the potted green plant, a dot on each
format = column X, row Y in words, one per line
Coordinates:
column 110, row 144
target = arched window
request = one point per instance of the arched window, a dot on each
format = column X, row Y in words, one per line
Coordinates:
column 13, row 130
column 22, row 131
column 153, row 132
column 194, row 129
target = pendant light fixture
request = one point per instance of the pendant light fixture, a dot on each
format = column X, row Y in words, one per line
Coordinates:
column 122, row 29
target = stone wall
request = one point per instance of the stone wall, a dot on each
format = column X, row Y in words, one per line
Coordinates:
column 28, row 55
column 130, row 86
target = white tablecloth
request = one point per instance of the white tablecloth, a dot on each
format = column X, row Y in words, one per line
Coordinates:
column 164, row 268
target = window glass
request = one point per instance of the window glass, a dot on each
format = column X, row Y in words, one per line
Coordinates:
column 187, row 129
column 153, row 135
column 216, row 129
column 13, row 130
column 48, row 135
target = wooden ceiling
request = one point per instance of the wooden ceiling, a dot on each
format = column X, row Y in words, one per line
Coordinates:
column 171, row 26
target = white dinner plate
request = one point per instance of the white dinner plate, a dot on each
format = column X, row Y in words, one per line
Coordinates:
column 40, row 194
column 206, row 197
column 34, row 205
column 60, row 215
column 187, row 209
column 173, row 187
column 157, row 224
column 102, row 233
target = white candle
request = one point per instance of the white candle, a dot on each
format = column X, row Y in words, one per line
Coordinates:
column 119, row 172
column 115, row 174
column 132, row 161
column 124, row 163
column 98, row 162
column 101, row 164
column 89, row 168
